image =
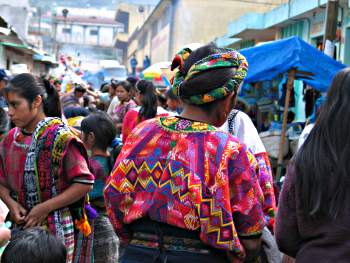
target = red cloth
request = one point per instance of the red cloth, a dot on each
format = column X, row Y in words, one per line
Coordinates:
column 131, row 120
column 12, row 158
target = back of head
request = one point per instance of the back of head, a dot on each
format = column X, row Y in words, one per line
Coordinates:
column 34, row 245
column 132, row 81
column 114, row 84
column 29, row 87
column 102, row 126
column 149, row 99
column 207, row 75
column 323, row 162
column 71, row 112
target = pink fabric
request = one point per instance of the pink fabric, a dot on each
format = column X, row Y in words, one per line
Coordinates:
column 131, row 120
column 12, row 159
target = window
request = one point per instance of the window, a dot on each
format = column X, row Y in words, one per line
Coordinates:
column 66, row 30
column 93, row 32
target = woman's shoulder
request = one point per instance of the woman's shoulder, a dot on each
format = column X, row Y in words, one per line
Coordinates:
column 99, row 164
column 15, row 135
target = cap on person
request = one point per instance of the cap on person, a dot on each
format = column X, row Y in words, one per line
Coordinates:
column 3, row 75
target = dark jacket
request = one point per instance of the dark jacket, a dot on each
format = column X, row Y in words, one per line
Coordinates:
column 318, row 240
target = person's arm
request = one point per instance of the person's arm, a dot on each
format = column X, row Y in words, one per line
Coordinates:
column 246, row 201
column 266, row 183
column 76, row 173
column 17, row 212
column 92, row 93
column 74, row 193
column 286, row 229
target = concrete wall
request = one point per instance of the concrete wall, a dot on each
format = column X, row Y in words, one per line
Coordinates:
column 16, row 16
column 83, row 34
column 193, row 21
column 17, row 57
column 204, row 20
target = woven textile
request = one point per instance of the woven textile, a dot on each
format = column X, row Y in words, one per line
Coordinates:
column 47, row 163
column 224, row 58
column 190, row 175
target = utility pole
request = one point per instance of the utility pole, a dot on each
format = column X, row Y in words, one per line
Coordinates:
column 330, row 27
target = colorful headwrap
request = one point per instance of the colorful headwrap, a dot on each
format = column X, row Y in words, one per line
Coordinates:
column 227, row 59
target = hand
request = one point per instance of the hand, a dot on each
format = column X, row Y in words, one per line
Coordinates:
column 18, row 213
column 288, row 259
column 37, row 215
column 5, row 235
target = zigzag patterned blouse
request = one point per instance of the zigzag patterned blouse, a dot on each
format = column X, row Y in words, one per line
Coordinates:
column 190, row 175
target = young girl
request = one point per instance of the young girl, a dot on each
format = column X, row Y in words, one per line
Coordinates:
column 98, row 132
column 44, row 175
column 126, row 103
column 147, row 99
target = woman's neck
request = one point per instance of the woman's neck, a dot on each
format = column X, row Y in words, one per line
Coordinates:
column 32, row 125
column 194, row 113
column 96, row 151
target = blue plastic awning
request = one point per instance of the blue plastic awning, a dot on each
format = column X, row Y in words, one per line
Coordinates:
column 272, row 59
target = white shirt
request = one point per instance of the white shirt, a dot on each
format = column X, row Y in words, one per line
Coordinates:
column 114, row 103
column 244, row 129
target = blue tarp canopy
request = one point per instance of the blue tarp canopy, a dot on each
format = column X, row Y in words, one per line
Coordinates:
column 271, row 59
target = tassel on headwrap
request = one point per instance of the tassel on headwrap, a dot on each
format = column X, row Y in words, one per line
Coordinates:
column 225, row 58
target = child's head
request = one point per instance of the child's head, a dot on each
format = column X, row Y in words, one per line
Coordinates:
column 34, row 245
column 171, row 100
column 123, row 91
column 98, row 131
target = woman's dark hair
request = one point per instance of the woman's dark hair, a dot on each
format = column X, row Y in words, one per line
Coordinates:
column 170, row 94
column 132, row 81
column 323, row 162
column 34, row 245
column 205, row 81
column 4, row 121
column 126, row 85
column 149, row 99
column 73, row 111
column 114, row 84
column 29, row 87
column 103, row 128
column 104, row 87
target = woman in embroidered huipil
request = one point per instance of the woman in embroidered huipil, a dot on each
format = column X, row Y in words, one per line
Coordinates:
column 123, row 92
column 181, row 189
column 44, row 175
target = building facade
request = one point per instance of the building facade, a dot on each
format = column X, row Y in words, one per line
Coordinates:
column 305, row 19
column 16, row 13
column 131, row 15
column 86, row 34
column 175, row 23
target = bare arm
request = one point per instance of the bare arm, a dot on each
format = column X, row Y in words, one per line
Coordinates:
column 72, row 194
column 17, row 212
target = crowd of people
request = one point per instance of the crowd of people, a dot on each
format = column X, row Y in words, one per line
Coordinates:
column 127, row 174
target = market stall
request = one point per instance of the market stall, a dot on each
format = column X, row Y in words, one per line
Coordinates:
column 300, row 61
